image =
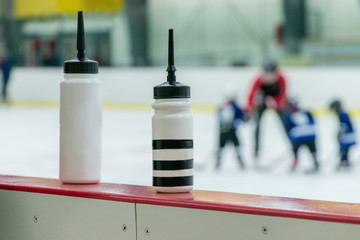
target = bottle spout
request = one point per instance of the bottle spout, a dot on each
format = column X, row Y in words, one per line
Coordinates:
column 80, row 44
column 80, row 64
column 171, row 78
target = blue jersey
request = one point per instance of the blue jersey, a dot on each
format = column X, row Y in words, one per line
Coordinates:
column 347, row 135
column 300, row 126
column 230, row 116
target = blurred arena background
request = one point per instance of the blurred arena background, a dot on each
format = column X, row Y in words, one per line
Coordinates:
column 209, row 32
column 218, row 43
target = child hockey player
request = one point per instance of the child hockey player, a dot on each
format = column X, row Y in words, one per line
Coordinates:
column 300, row 127
column 230, row 115
column 346, row 134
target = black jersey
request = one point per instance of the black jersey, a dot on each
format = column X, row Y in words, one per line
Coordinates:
column 271, row 90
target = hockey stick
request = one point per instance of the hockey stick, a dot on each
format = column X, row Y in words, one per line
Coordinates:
column 203, row 165
column 275, row 162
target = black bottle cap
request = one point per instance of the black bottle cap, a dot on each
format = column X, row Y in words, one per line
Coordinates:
column 80, row 64
column 171, row 88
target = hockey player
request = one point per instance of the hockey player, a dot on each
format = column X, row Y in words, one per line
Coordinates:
column 346, row 135
column 230, row 116
column 300, row 126
column 268, row 91
column 6, row 66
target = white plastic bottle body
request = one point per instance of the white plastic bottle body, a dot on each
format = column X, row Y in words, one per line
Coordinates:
column 80, row 128
column 172, row 135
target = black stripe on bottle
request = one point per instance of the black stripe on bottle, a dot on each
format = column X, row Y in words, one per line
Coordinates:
column 173, row 181
column 172, row 144
column 173, row 165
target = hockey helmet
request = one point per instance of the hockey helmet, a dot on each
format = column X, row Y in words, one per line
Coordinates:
column 335, row 105
column 269, row 65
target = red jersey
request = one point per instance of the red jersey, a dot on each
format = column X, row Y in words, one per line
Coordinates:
column 276, row 90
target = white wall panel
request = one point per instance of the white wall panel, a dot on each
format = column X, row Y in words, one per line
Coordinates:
column 163, row 223
column 34, row 216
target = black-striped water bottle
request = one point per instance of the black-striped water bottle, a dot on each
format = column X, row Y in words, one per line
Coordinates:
column 172, row 133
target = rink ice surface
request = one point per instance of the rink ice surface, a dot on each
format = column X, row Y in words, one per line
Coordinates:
column 29, row 143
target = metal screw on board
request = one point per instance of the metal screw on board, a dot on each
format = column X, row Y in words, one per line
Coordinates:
column 147, row 231
column 124, row 227
column 35, row 218
column 264, row 229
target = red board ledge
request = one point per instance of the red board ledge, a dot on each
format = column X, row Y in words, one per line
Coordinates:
column 206, row 200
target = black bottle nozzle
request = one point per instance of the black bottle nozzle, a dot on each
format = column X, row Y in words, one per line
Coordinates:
column 171, row 78
column 80, row 45
column 81, row 64
column 171, row 89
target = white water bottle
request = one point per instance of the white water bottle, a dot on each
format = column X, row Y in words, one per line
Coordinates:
column 172, row 133
column 80, row 117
